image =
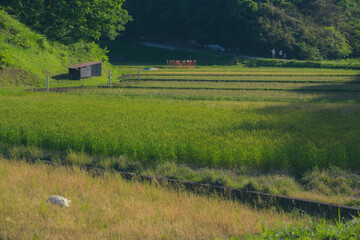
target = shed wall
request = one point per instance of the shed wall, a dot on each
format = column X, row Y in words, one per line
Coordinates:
column 85, row 70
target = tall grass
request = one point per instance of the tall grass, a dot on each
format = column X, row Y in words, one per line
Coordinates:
column 264, row 136
column 107, row 207
column 332, row 185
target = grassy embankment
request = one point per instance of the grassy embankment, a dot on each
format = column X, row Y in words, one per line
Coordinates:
column 104, row 206
column 27, row 57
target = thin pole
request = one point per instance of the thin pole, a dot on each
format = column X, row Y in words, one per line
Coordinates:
column 109, row 78
column 139, row 74
column 47, row 83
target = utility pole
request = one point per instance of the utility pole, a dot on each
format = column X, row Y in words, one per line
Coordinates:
column 109, row 78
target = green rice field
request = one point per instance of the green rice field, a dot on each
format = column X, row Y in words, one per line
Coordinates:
column 243, row 84
column 294, row 127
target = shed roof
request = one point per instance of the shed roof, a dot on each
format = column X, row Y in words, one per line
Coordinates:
column 84, row 64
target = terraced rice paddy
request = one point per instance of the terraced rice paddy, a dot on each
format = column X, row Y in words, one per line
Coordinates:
column 246, row 84
column 155, row 125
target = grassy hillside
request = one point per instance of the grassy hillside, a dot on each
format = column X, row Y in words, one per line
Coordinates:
column 26, row 57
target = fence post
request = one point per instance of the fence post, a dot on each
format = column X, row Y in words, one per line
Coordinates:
column 47, row 83
column 109, row 78
column 139, row 74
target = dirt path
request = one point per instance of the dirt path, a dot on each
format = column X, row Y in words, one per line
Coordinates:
column 191, row 49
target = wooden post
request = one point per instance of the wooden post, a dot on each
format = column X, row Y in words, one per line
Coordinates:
column 47, row 83
column 109, row 78
column 139, row 74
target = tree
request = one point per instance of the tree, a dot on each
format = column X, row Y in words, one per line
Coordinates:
column 71, row 20
column 309, row 29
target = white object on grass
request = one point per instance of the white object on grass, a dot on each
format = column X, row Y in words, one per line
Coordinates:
column 59, row 200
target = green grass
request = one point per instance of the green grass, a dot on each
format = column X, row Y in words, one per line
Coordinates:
column 245, row 78
column 238, row 70
column 316, row 230
column 225, row 95
column 307, row 87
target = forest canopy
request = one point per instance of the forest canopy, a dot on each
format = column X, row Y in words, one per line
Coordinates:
column 71, row 20
column 305, row 29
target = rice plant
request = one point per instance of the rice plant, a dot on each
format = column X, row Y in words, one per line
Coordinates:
column 287, row 136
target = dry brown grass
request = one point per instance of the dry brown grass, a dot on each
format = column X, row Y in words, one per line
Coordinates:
column 108, row 207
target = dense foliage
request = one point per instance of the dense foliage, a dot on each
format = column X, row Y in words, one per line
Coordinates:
column 68, row 20
column 306, row 29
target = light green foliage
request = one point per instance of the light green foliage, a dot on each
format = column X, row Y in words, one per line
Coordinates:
column 307, row 51
column 335, row 44
column 319, row 231
column 71, row 21
column 6, row 59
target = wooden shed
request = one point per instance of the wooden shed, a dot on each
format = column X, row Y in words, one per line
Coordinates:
column 85, row 70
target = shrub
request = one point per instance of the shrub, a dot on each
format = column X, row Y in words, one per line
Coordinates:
column 6, row 59
column 333, row 181
column 307, row 51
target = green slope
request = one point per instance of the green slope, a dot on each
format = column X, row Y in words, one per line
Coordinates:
column 26, row 57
